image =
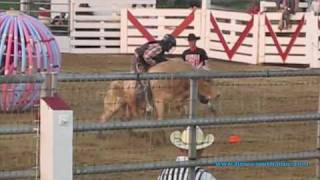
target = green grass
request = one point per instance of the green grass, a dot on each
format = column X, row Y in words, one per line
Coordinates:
column 13, row 3
column 234, row 5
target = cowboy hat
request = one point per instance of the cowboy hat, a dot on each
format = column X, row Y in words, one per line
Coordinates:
column 192, row 37
column 181, row 139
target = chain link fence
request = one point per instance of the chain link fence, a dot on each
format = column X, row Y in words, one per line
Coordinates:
column 286, row 131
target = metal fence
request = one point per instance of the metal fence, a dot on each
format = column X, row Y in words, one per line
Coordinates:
column 304, row 122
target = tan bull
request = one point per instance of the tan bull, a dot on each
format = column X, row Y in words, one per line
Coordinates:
column 122, row 94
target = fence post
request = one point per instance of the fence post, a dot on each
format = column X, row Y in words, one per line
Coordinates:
column 192, row 130
column 312, row 40
column 56, row 132
column 72, row 17
column 206, row 34
column 256, row 36
column 124, row 31
column 205, row 24
column 261, row 37
column 25, row 6
column 49, row 85
column 318, row 142
column 206, row 4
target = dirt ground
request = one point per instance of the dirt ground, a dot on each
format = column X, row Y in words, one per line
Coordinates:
column 238, row 97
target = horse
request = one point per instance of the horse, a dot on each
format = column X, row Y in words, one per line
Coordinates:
column 122, row 96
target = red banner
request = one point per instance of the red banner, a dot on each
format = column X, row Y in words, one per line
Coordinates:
column 186, row 22
column 294, row 36
column 243, row 35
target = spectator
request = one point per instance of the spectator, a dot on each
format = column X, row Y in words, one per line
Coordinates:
column 315, row 7
column 194, row 55
column 59, row 19
column 254, row 7
column 59, row 25
column 288, row 7
column 181, row 141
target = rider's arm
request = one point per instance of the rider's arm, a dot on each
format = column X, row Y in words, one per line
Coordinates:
column 204, row 59
column 152, row 51
column 204, row 56
column 184, row 55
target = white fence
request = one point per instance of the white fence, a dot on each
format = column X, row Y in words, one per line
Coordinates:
column 115, row 26
column 140, row 25
column 313, row 40
column 95, row 28
column 286, row 46
column 230, row 36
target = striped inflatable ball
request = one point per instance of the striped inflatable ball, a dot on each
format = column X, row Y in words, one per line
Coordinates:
column 27, row 47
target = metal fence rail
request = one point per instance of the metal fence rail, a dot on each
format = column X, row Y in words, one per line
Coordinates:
column 17, row 174
column 84, row 127
column 37, row 78
column 200, row 162
column 77, row 77
column 18, row 129
column 304, row 155
column 192, row 122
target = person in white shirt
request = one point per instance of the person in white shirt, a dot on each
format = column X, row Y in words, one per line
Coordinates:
column 181, row 141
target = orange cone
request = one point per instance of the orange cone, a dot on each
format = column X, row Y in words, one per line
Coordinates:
column 233, row 139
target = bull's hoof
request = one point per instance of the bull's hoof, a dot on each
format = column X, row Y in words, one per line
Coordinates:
column 159, row 138
column 149, row 108
column 203, row 99
column 148, row 115
column 125, row 119
column 101, row 136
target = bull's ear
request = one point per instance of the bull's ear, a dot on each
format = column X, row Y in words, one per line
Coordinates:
column 208, row 81
column 203, row 99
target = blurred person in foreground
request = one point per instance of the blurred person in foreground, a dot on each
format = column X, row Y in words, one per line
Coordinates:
column 181, row 141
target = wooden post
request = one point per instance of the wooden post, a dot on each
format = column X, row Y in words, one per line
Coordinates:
column 207, row 31
column 124, row 31
column 202, row 18
column 56, row 135
column 72, row 17
column 161, row 31
column 49, row 86
column 312, row 43
column 318, row 141
column 206, row 4
column 262, row 35
column 255, row 31
column 25, row 6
